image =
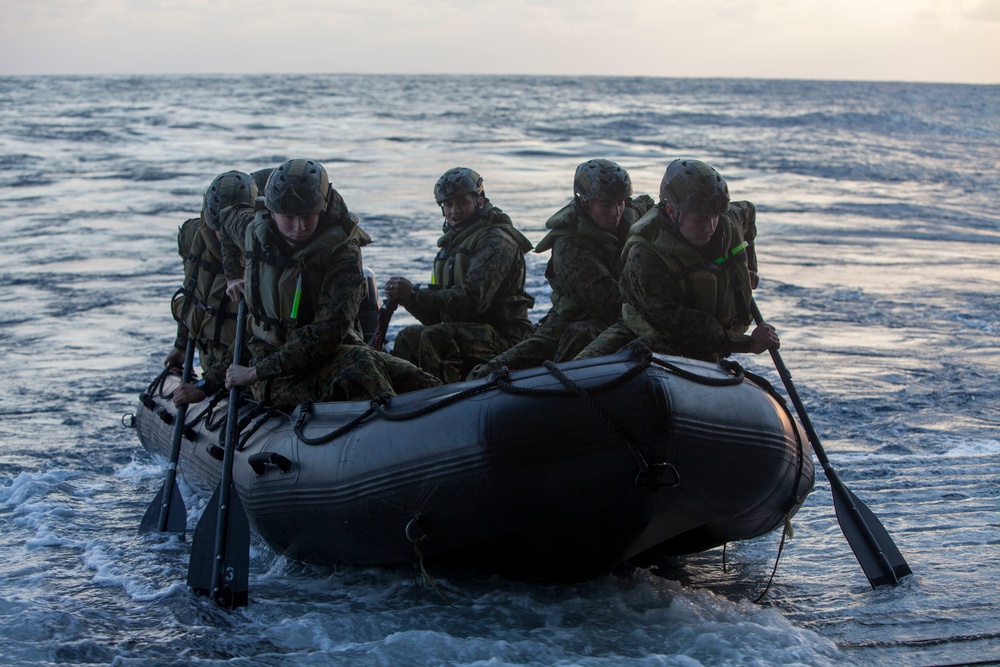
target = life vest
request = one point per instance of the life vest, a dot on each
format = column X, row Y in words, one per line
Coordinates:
column 606, row 247
column 454, row 258
column 202, row 305
column 719, row 287
column 282, row 281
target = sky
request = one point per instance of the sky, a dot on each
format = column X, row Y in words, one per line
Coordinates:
column 954, row 41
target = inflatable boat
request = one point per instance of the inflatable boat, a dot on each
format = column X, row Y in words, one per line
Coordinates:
column 562, row 471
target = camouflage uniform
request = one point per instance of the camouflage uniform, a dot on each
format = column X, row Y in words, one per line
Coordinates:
column 583, row 271
column 682, row 300
column 315, row 351
column 476, row 305
column 201, row 307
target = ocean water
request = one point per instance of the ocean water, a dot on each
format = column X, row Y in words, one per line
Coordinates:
column 879, row 250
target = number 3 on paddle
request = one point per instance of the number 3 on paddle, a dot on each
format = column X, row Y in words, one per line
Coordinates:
column 220, row 550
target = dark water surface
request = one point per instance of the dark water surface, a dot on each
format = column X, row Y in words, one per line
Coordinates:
column 880, row 258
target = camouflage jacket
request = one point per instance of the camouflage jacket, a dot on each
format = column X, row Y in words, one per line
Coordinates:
column 201, row 306
column 586, row 262
column 332, row 288
column 696, row 298
column 478, row 276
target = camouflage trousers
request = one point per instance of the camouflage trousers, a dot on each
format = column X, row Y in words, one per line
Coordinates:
column 449, row 350
column 555, row 339
column 356, row 372
column 618, row 335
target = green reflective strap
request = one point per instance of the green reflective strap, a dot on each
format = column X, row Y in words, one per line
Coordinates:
column 298, row 297
column 732, row 253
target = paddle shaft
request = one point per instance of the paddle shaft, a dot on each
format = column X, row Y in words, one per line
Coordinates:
column 225, row 486
column 384, row 316
column 170, row 483
column 842, row 496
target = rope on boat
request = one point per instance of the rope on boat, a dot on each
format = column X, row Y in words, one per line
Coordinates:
column 262, row 414
column 644, row 478
column 500, row 380
column 206, row 414
column 306, row 409
column 785, row 532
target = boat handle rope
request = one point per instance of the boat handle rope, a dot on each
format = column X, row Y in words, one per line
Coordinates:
column 649, row 478
column 263, row 414
column 207, row 413
column 156, row 387
column 500, row 380
column 305, row 410
column 497, row 379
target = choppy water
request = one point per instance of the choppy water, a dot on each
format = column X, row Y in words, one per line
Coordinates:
column 879, row 239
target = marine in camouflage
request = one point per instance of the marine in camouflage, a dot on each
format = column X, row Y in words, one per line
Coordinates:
column 318, row 355
column 476, row 305
column 202, row 303
column 683, row 300
column 583, row 271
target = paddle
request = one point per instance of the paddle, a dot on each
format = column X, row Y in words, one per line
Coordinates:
column 220, row 550
column 876, row 552
column 167, row 514
column 384, row 315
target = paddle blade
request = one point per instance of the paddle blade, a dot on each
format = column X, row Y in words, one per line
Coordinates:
column 878, row 555
column 235, row 565
column 176, row 513
column 234, row 556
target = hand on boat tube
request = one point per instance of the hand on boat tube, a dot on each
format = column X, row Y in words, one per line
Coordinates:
column 398, row 289
column 240, row 376
column 234, row 289
column 186, row 394
column 764, row 338
column 175, row 360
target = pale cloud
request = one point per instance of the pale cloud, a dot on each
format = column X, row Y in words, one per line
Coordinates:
column 989, row 10
column 929, row 40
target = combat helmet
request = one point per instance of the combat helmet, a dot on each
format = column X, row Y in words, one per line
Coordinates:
column 228, row 189
column 260, row 177
column 692, row 185
column 297, row 187
column 457, row 181
column 601, row 179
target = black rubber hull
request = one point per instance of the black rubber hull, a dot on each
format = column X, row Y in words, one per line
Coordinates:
column 530, row 477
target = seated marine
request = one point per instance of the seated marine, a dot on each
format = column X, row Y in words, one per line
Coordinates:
column 586, row 237
column 303, row 286
column 475, row 306
column 689, row 271
column 201, row 307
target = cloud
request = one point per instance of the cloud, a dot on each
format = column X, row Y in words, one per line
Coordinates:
column 939, row 40
column 989, row 10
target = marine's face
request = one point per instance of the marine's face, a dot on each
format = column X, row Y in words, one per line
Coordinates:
column 606, row 213
column 460, row 209
column 697, row 228
column 296, row 228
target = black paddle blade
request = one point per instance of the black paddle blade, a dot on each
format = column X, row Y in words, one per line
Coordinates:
column 878, row 555
column 176, row 513
column 234, row 557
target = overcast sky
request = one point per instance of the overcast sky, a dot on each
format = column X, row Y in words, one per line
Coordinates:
column 883, row 40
